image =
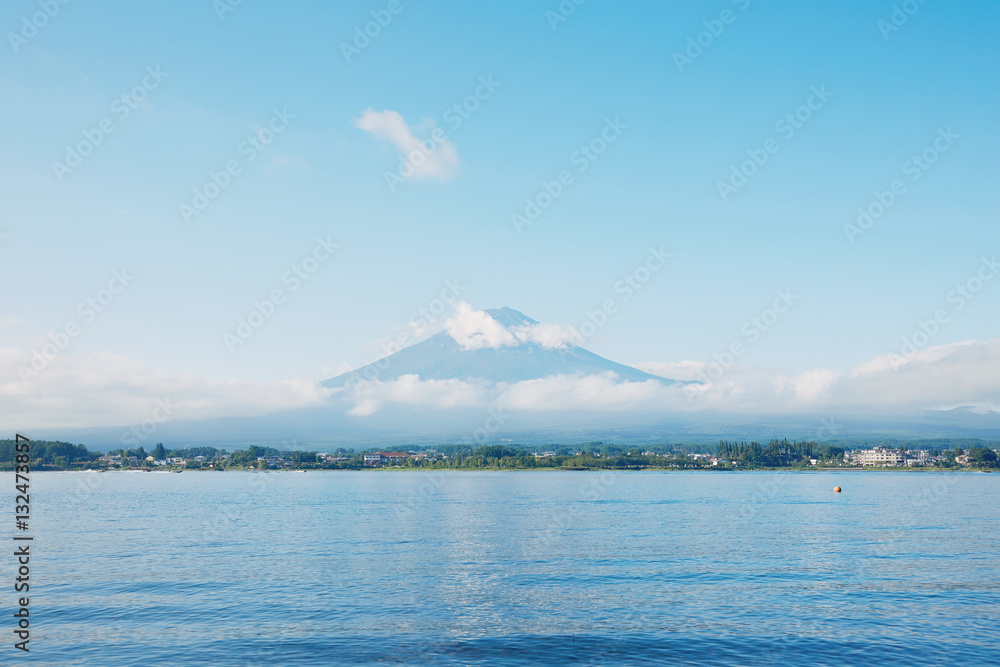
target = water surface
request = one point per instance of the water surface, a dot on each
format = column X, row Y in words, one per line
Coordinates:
column 514, row 568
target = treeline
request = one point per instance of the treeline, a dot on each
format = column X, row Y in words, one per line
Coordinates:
column 250, row 455
column 47, row 452
column 605, row 458
column 160, row 452
column 984, row 457
column 777, row 453
column 221, row 458
column 591, row 455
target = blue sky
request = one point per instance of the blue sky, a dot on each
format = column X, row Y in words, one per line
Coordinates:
column 655, row 185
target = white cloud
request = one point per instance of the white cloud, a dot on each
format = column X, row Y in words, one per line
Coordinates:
column 101, row 389
column 963, row 374
column 549, row 336
column 602, row 392
column 557, row 392
column 369, row 397
column 675, row 370
column 421, row 159
column 957, row 374
column 474, row 329
column 84, row 390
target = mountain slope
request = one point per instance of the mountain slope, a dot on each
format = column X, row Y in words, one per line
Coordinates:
column 440, row 357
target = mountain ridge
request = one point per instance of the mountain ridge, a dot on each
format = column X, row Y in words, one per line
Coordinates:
column 441, row 357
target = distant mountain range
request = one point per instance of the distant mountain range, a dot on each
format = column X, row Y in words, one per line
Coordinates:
column 440, row 357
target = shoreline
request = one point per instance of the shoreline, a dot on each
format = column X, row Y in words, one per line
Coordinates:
column 900, row 470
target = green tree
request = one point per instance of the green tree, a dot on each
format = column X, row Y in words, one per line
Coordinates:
column 983, row 457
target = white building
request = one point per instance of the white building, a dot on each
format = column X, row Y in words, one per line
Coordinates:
column 879, row 456
column 385, row 458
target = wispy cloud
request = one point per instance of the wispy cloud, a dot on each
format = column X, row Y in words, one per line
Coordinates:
column 437, row 160
column 957, row 374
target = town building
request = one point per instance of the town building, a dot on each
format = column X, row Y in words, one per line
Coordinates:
column 879, row 456
column 385, row 458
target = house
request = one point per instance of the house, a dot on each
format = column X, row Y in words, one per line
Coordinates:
column 385, row 458
column 176, row 460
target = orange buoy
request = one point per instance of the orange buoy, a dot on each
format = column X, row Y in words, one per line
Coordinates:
column 836, row 489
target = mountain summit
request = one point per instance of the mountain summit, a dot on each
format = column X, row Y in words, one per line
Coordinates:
column 510, row 348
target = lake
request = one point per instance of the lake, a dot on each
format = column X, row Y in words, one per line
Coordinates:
column 511, row 568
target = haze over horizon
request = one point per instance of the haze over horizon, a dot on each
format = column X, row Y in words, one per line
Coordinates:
column 536, row 380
